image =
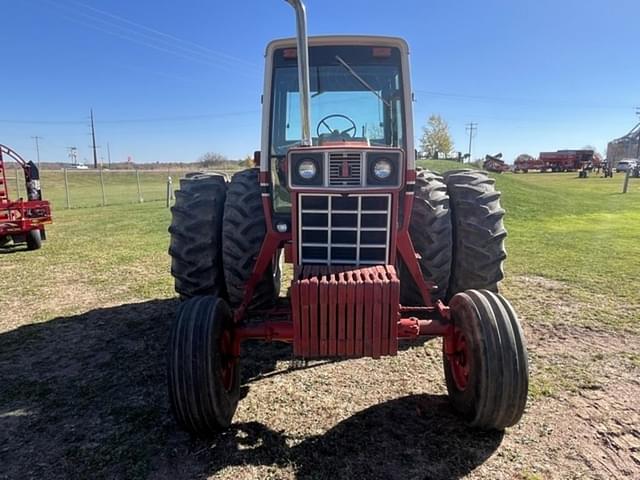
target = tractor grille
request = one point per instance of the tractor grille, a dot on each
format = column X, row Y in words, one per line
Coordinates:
column 344, row 229
column 345, row 169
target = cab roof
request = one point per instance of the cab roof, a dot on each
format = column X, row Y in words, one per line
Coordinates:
column 327, row 40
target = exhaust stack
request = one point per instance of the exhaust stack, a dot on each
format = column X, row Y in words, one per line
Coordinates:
column 303, row 70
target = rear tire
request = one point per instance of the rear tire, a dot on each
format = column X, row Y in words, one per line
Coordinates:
column 203, row 376
column 243, row 231
column 34, row 240
column 478, row 232
column 486, row 372
column 430, row 231
column 196, row 236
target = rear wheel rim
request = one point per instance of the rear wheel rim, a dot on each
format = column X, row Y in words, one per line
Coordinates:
column 460, row 360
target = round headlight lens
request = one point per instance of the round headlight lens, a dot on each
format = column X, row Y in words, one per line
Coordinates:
column 307, row 169
column 382, row 169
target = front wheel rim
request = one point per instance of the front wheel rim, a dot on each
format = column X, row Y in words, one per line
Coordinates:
column 228, row 362
column 460, row 360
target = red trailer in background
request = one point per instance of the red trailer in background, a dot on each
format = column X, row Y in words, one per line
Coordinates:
column 525, row 162
column 22, row 220
column 494, row 163
column 570, row 160
column 560, row 161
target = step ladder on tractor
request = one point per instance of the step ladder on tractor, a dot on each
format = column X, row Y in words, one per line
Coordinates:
column 22, row 221
column 381, row 250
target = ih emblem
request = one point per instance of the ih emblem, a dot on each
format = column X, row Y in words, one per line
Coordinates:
column 345, row 171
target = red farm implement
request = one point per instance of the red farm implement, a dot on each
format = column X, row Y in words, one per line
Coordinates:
column 381, row 250
column 560, row 161
column 22, row 221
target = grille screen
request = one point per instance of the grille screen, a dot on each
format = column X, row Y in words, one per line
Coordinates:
column 344, row 230
column 345, row 169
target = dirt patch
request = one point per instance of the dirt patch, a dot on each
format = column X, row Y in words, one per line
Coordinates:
column 85, row 397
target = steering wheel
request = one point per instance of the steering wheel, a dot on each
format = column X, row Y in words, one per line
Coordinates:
column 330, row 131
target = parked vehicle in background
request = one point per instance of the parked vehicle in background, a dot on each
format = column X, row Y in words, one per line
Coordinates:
column 624, row 165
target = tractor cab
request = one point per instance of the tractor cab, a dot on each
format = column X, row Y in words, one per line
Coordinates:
column 358, row 117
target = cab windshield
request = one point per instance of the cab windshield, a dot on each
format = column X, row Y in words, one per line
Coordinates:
column 356, row 95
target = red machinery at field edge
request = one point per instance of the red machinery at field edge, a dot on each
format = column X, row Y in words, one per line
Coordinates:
column 22, row 220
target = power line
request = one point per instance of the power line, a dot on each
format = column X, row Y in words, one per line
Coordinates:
column 471, row 128
column 176, row 118
column 520, row 100
column 163, row 34
column 155, row 41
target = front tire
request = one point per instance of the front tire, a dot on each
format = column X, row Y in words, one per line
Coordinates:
column 485, row 360
column 203, row 375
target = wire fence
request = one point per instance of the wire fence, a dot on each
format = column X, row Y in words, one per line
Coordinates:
column 72, row 188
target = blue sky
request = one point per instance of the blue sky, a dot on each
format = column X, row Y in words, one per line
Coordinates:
column 171, row 80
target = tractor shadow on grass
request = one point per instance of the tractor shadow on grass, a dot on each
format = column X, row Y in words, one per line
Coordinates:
column 11, row 248
column 413, row 437
column 85, row 396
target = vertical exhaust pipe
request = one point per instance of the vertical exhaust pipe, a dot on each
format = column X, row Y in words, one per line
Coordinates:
column 303, row 70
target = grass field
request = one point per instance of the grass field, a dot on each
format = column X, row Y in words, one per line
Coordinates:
column 85, row 186
column 84, row 324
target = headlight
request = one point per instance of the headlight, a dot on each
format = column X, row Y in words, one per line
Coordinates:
column 382, row 169
column 307, row 169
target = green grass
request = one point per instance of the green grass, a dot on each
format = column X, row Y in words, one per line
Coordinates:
column 581, row 232
column 102, row 406
column 93, row 257
column 85, row 187
column 584, row 232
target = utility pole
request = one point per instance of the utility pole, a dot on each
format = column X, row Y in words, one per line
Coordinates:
column 471, row 128
column 93, row 142
column 73, row 155
column 638, row 149
column 108, row 155
column 36, row 138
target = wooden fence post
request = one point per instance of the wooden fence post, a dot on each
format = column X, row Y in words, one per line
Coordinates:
column 140, row 199
column 104, row 198
column 169, row 191
column 66, row 188
column 626, row 181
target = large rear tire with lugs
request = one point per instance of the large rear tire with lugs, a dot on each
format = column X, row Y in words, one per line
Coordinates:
column 196, row 236
column 430, row 231
column 478, row 231
column 485, row 360
column 203, row 374
column 243, row 231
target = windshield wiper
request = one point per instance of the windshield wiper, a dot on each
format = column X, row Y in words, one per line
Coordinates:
column 362, row 81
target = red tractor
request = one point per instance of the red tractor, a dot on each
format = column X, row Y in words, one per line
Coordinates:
column 22, row 221
column 382, row 251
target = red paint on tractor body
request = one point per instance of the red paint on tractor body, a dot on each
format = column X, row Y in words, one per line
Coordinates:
column 345, row 311
column 342, row 311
